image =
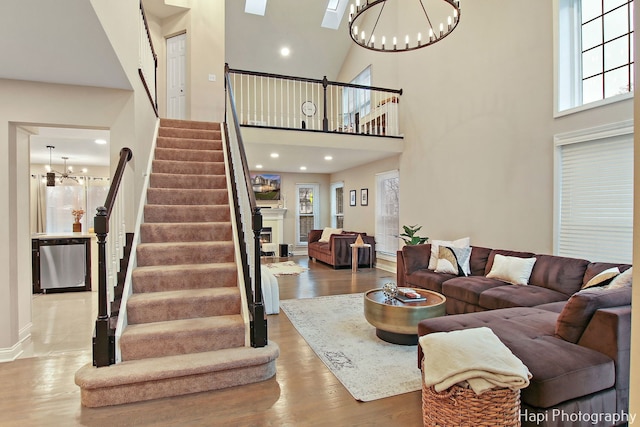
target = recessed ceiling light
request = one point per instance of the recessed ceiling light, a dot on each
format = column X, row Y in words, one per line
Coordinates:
column 258, row 166
column 303, row 168
column 275, row 155
column 285, row 51
column 85, row 170
column 328, row 157
column 101, row 141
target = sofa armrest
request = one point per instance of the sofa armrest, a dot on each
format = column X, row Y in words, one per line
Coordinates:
column 416, row 257
column 400, row 270
column 314, row 236
column 609, row 332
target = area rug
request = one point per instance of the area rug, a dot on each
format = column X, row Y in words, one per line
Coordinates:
column 288, row 268
column 369, row 368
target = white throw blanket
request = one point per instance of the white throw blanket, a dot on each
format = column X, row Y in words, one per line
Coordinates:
column 476, row 356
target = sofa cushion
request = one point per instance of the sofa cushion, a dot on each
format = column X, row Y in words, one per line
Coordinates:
column 529, row 332
column 416, row 257
column 452, row 260
column 578, row 311
column 468, row 289
column 597, row 267
column 510, row 269
column 478, row 260
column 327, row 232
column 504, row 252
column 603, row 278
column 561, row 274
column 427, row 279
column 435, row 244
column 518, row 296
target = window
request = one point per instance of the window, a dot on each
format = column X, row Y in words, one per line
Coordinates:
column 594, row 194
column 387, row 212
column 307, row 211
column 337, row 205
column 357, row 102
column 595, row 51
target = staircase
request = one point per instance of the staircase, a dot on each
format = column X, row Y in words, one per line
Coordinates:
column 186, row 332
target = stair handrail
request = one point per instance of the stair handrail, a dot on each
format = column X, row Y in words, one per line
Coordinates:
column 258, row 320
column 103, row 343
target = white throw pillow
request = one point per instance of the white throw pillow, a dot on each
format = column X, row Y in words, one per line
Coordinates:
column 622, row 280
column 602, row 278
column 512, row 269
column 435, row 245
column 327, row 232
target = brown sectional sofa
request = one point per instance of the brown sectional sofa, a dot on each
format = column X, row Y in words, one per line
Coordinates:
column 576, row 344
column 337, row 251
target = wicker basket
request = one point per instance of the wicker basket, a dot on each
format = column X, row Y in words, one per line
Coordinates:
column 458, row 406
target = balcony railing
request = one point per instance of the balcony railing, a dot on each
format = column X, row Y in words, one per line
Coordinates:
column 285, row 102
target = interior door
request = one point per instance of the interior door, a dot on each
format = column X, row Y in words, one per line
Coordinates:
column 176, row 77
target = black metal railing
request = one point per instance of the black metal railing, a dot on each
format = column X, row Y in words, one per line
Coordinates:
column 103, row 339
column 286, row 102
column 248, row 219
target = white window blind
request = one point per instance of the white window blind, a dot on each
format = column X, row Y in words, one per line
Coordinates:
column 387, row 212
column 596, row 200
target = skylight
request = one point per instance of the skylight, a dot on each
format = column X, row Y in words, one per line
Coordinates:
column 334, row 13
column 255, row 7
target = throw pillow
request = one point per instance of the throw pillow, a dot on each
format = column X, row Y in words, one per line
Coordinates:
column 623, row 280
column 327, row 232
column 435, row 244
column 577, row 312
column 603, row 278
column 451, row 260
column 511, row 269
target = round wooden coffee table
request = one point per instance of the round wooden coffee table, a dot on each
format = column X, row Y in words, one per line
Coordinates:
column 397, row 322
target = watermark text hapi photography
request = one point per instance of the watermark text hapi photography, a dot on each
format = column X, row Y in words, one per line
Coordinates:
column 594, row 418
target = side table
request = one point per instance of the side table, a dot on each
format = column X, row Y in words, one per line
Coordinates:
column 354, row 255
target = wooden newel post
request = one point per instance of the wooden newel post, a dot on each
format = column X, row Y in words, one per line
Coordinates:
column 325, row 119
column 102, row 351
column 259, row 325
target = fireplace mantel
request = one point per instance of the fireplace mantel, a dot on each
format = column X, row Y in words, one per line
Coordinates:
column 272, row 213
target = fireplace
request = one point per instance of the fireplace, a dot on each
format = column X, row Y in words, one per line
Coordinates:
column 266, row 235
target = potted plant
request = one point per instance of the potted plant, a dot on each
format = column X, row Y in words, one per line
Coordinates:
column 409, row 236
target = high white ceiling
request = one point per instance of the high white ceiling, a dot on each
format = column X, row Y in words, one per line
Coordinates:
column 63, row 42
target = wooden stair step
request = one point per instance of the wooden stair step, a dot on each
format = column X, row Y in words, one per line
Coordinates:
column 140, row 380
column 175, row 253
column 185, row 155
column 184, row 304
column 158, row 339
column 187, row 213
column 187, row 196
column 185, row 232
column 190, row 276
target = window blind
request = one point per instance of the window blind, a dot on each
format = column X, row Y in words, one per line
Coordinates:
column 596, row 200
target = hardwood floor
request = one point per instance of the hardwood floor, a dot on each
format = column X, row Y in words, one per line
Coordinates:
column 40, row 391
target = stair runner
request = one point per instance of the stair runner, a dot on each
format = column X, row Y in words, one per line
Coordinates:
column 186, row 332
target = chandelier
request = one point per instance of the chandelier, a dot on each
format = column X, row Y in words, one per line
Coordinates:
column 372, row 29
column 51, row 173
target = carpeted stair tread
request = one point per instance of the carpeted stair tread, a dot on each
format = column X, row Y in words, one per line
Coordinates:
column 185, row 304
column 188, row 168
column 185, row 276
column 184, row 213
column 183, row 336
column 189, row 143
column 184, row 253
column 187, row 196
column 164, row 180
column 140, row 380
column 185, row 232
column 182, row 155
column 189, row 133
column 189, row 124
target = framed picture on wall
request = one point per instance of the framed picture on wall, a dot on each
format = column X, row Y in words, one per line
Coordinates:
column 352, row 198
column 364, row 197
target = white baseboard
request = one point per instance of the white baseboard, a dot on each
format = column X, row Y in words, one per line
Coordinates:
column 10, row 354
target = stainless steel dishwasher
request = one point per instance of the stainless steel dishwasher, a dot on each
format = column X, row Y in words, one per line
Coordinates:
column 61, row 264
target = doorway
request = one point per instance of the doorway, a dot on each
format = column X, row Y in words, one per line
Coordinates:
column 176, row 77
